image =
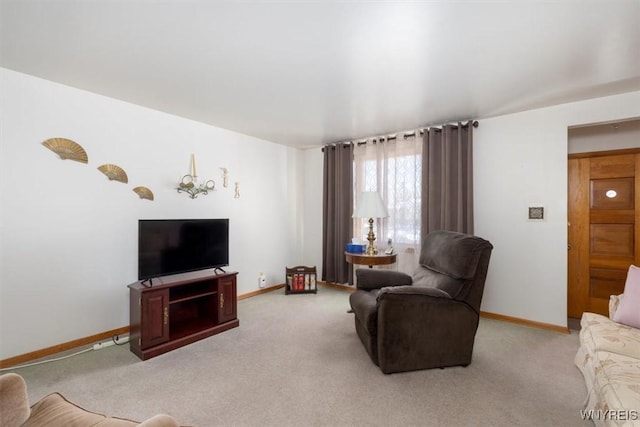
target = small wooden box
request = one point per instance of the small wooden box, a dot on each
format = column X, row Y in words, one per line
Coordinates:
column 300, row 280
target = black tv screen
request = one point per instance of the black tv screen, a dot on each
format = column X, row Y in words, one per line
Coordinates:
column 171, row 246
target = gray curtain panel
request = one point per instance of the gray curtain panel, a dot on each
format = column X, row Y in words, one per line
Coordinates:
column 337, row 208
column 447, row 179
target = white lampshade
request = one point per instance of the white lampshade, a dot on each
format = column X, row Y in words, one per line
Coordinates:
column 370, row 206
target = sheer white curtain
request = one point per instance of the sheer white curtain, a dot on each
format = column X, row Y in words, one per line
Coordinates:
column 393, row 167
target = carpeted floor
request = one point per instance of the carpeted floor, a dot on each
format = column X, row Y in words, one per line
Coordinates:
column 295, row 360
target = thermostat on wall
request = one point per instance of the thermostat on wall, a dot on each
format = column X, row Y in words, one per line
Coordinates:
column 536, row 213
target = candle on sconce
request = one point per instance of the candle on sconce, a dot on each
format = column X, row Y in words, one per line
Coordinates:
column 193, row 166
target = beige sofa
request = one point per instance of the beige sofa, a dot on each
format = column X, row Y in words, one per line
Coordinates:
column 55, row 411
column 609, row 359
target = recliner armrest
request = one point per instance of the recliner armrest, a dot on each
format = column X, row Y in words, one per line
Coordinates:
column 412, row 290
column 369, row 279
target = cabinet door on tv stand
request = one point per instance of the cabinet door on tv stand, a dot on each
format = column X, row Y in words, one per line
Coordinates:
column 155, row 318
column 227, row 299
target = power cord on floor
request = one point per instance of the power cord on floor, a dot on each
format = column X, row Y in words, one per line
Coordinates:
column 55, row 359
column 116, row 340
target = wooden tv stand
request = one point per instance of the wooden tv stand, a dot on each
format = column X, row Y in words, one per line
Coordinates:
column 178, row 310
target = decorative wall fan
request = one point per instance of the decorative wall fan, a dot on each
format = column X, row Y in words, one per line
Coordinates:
column 114, row 173
column 67, row 149
column 144, row 193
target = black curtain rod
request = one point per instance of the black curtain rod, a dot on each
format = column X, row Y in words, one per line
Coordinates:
column 344, row 145
column 473, row 123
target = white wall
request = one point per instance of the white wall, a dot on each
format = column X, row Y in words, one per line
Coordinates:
column 312, row 208
column 521, row 159
column 518, row 159
column 603, row 137
column 68, row 236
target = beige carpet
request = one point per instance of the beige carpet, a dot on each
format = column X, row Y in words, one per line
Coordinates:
column 295, row 360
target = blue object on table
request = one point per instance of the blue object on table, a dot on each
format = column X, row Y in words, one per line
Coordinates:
column 355, row 248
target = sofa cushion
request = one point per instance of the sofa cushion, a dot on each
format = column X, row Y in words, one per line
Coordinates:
column 56, row 411
column 608, row 359
column 599, row 333
column 616, row 381
column 628, row 311
column 14, row 401
column 160, row 420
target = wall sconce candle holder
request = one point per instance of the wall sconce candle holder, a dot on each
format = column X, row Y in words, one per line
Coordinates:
column 189, row 183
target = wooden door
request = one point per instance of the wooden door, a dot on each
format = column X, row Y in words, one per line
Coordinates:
column 155, row 318
column 603, row 228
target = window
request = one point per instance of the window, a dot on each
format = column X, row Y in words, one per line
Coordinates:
column 394, row 169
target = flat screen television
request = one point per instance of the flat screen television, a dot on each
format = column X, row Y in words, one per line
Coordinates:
column 171, row 246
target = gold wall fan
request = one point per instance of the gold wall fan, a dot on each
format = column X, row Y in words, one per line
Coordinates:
column 67, row 149
column 144, row 193
column 114, row 173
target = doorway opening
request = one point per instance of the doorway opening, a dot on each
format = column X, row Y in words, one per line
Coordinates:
column 603, row 206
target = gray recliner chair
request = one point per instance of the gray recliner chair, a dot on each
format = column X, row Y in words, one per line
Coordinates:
column 428, row 320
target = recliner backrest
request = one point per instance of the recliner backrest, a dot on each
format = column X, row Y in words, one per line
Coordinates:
column 452, row 262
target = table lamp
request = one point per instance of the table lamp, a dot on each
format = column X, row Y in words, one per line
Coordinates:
column 370, row 206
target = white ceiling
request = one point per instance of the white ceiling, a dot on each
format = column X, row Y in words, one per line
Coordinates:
column 305, row 73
